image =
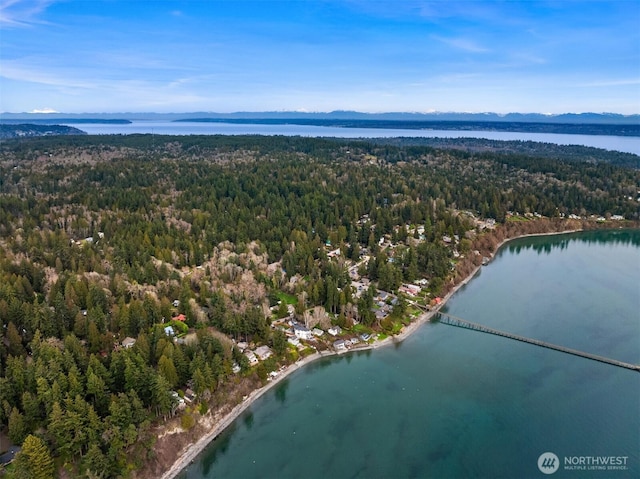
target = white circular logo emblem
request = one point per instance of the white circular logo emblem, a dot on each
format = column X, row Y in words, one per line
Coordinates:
column 548, row 463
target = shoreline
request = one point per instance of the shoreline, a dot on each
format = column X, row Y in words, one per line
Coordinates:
column 196, row 448
column 193, row 450
column 201, row 444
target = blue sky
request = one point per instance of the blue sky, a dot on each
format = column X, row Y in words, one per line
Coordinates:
column 367, row 55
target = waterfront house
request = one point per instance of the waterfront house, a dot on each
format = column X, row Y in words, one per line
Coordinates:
column 435, row 302
column 189, row 395
column 253, row 360
column 302, row 332
column 340, row 345
column 410, row 289
column 405, row 290
column 334, row 330
column 178, row 402
column 263, row 352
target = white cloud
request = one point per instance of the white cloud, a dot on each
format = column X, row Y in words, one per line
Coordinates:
column 24, row 72
column 22, row 13
column 76, row 86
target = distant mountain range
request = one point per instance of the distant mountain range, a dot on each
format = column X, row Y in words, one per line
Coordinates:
column 565, row 118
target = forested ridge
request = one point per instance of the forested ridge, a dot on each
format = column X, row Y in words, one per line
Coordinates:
column 115, row 237
column 528, row 149
column 629, row 129
column 19, row 130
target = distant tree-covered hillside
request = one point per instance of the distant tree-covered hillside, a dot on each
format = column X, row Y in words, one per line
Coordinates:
column 24, row 130
column 530, row 149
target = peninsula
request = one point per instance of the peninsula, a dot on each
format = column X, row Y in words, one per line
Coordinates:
column 156, row 285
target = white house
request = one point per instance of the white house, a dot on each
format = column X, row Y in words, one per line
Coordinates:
column 302, row 332
column 334, row 330
column 263, row 352
column 178, row 402
column 253, row 360
column 340, row 345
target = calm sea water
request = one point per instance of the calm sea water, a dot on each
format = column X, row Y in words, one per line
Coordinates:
column 453, row 403
column 617, row 143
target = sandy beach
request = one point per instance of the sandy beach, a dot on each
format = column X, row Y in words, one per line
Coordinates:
column 193, row 450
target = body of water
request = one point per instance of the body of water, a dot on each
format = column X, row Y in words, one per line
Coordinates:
column 616, row 143
column 454, row 403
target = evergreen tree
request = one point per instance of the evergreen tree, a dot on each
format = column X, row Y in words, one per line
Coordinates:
column 167, row 369
column 162, row 395
column 15, row 340
column 95, row 462
column 279, row 342
column 34, row 460
column 18, row 428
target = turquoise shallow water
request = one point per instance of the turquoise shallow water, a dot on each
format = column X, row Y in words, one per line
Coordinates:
column 449, row 402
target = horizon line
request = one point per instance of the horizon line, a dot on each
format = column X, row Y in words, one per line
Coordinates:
column 51, row 112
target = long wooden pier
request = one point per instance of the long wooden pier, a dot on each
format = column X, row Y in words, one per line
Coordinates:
column 445, row 318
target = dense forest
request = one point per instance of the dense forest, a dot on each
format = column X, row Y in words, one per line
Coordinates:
column 115, row 238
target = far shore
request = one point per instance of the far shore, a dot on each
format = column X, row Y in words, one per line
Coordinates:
column 190, row 453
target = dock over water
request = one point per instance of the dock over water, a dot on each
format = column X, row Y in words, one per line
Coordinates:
column 445, row 318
